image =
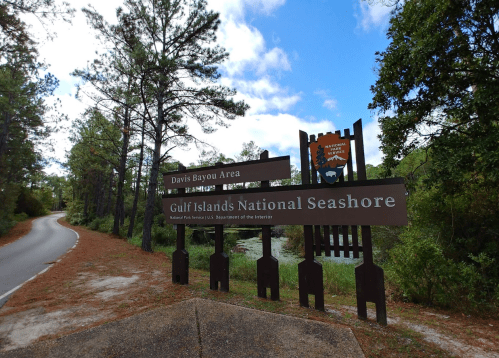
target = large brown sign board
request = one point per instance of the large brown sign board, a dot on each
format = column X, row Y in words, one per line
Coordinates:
column 299, row 205
column 256, row 170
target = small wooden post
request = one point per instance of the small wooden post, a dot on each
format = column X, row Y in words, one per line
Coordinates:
column 267, row 267
column 180, row 259
column 219, row 261
column 310, row 276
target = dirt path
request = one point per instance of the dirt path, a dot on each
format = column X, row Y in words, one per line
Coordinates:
column 104, row 279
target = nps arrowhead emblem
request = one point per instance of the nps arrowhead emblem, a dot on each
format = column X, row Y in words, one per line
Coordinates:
column 330, row 155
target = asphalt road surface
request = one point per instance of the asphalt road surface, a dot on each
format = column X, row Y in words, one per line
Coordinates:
column 33, row 253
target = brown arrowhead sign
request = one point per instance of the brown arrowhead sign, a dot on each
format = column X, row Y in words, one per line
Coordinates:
column 330, row 155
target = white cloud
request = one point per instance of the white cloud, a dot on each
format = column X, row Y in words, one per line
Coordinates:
column 375, row 15
column 237, row 8
column 264, row 6
column 262, row 95
column 274, row 59
column 330, row 104
column 245, row 45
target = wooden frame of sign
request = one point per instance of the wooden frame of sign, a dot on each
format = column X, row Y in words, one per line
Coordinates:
column 338, row 207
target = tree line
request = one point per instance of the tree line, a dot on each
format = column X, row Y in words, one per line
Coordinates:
column 25, row 123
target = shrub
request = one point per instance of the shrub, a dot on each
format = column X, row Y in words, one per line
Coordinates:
column 20, row 217
column 296, row 240
column 74, row 212
column 418, row 266
column 230, row 240
column 278, row 231
column 96, row 224
column 8, row 198
column 164, row 236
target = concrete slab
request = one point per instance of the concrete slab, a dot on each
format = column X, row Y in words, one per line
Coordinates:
column 232, row 331
column 202, row 328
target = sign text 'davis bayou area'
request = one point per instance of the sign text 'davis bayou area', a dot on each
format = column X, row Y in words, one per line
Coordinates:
column 270, row 169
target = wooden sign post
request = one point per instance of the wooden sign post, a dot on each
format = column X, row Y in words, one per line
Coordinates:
column 267, row 267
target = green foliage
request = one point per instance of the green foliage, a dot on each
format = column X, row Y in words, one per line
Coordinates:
column 384, row 239
column 420, row 272
column 199, row 257
column 102, row 224
column 240, row 268
column 445, row 255
column 296, row 240
column 437, row 81
column 339, row 279
column 165, row 236
column 74, row 212
column 419, row 267
column 230, row 240
column 20, row 217
column 8, row 198
column 28, row 203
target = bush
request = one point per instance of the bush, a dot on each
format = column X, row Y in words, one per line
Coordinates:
column 418, row 267
column 296, row 240
column 164, row 236
column 167, row 235
column 74, row 212
column 20, row 217
column 230, row 240
column 96, row 224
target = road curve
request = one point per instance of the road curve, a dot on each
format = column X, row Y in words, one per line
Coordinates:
column 33, row 253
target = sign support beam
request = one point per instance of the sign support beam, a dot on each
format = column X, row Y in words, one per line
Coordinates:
column 267, row 267
column 219, row 261
column 180, row 259
column 310, row 276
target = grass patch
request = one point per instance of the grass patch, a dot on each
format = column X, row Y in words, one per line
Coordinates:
column 339, row 279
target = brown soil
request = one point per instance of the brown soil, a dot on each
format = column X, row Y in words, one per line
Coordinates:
column 104, row 278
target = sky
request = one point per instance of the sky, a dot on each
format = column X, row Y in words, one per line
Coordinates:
column 299, row 65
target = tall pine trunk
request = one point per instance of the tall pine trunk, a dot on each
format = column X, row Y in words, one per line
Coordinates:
column 153, row 181
column 109, row 193
column 137, row 185
column 120, row 202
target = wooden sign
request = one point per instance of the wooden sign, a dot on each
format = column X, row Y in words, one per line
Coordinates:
column 330, row 155
column 299, row 205
column 255, row 170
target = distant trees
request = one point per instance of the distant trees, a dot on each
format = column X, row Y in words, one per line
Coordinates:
column 23, row 112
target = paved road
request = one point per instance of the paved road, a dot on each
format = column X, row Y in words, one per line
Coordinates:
column 26, row 257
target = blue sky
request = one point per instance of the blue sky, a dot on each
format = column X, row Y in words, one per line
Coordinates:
column 301, row 65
